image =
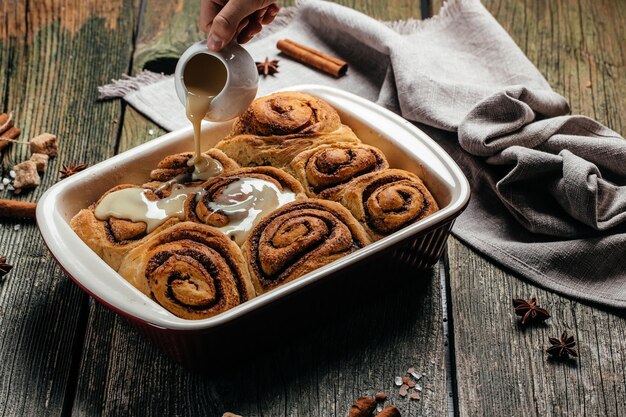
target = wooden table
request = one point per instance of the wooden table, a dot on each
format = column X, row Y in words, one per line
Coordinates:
column 63, row 354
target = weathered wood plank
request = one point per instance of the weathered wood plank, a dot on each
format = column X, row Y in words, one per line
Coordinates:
column 502, row 370
column 160, row 41
column 317, row 373
column 53, row 55
column 352, row 343
column 137, row 129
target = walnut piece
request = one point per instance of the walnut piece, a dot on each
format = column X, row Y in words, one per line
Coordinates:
column 41, row 160
column 45, row 143
column 26, row 175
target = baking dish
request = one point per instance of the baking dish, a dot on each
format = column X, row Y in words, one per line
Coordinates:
column 417, row 246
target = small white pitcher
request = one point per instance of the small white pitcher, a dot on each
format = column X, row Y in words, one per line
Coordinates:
column 241, row 85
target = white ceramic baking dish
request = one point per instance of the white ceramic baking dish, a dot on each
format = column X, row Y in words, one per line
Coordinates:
column 419, row 245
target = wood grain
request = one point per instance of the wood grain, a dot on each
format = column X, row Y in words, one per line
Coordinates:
column 161, row 41
column 347, row 342
column 136, row 129
column 54, row 340
column 317, row 373
column 53, row 55
column 502, row 370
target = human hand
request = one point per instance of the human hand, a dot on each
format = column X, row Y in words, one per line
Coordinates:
column 223, row 20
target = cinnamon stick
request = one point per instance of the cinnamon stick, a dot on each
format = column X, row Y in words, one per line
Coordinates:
column 17, row 209
column 363, row 407
column 5, row 121
column 8, row 132
column 10, row 136
column 317, row 59
column 389, row 411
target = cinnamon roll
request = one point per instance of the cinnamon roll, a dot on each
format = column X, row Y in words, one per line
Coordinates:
column 174, row 166
column 387, row 201
column 190, row 269
column 113, row 237
column 298, row 238
column 324, row 171
column 237, row 201
column 277, row 127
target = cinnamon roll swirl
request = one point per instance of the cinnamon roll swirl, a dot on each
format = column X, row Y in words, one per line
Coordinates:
column 298, row 238
column 277, row 127
column 174, row 166
column 324, row 171
column 190, row 269
column 112, row 238
column 287, row 113
column 387, row 201
column 237, row 201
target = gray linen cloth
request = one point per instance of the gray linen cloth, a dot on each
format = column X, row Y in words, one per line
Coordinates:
column 549, row 190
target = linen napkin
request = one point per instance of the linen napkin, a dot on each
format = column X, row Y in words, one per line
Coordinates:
column 549, row 189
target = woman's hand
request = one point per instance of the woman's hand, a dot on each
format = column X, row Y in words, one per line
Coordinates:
column 223, row 20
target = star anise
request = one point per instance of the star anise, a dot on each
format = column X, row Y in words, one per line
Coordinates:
column 529, row 311
column 267, row 67
column 5, row 268
column 562, row 348
column 71, row 169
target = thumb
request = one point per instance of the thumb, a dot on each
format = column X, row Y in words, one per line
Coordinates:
column 225, row 24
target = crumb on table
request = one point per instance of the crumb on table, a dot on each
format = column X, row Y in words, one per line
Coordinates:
column 45, row 143
column 26, row 175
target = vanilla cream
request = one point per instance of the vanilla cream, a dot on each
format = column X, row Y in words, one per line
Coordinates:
column 198, row 104
column 204, row 77
column 134, row 204
column 245, row 202
column 205, row 167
